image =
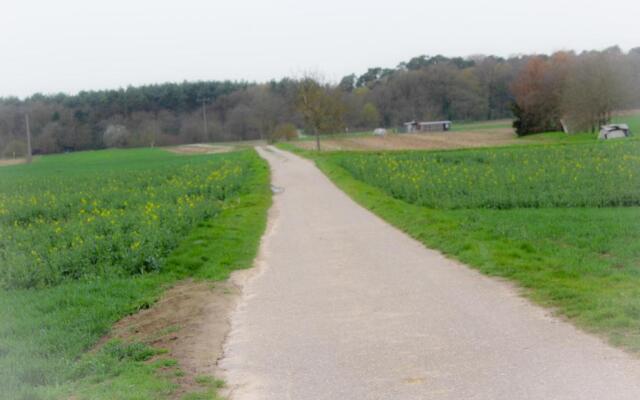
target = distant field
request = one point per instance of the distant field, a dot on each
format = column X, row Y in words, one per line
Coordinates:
column 462, row 135
column 561, row 220
column 492, row 133
column 88, row 238
column 11, row 161
column 490, row 125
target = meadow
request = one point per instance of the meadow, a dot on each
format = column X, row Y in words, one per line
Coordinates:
column 88, row 238
column 560, row 220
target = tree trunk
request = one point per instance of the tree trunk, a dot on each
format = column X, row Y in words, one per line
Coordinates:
column 317, row 140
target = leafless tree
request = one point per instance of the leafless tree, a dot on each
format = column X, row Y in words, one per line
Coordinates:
column 320, row 106
column 597, row 85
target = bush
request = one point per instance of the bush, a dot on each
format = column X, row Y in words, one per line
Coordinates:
column 534, row 121
column 286, row 131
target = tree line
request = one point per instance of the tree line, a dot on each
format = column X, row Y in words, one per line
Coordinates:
column 575, row 92
column 566, row 89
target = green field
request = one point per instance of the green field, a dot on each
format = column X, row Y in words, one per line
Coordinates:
column 632, row 120
column 568, row 234
column 88, row 238
column 482, row 125
column 526, row 177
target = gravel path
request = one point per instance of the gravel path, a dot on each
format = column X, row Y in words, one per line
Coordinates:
column 344, row 306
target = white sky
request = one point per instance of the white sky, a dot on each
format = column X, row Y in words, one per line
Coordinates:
column 70, row 45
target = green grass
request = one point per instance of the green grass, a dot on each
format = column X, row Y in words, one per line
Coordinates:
column 560, row 137
column 632, row 120
column 482, row 125
column 47, row 328
column 584, row 262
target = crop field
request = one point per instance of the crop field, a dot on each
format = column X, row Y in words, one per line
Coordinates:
column 563, row 221
column 528, row 177
column 87, row 238
column 79, row 222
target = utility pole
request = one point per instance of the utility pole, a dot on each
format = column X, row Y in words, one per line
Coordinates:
column 204, row 117
column 26, row 120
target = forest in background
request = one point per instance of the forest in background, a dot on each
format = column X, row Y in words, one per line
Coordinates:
column 543, row 92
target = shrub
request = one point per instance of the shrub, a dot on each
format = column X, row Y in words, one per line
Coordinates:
column 285, row 131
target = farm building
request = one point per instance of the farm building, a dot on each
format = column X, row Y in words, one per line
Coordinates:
column 614, row 131
column 430, row 126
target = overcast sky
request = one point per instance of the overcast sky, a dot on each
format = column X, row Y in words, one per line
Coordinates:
column 71, row 45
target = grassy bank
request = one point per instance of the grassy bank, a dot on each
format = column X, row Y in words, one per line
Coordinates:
column 582, row 261
column 146, row 219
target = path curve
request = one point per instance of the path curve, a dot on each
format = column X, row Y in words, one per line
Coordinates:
column 344, row 306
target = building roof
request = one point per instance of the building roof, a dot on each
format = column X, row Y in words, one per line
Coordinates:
column 615, row 127
column 427, row 123
column 434, row 123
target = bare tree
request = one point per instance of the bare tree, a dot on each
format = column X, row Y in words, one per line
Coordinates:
column 320, row 106
column 597, row 85
column 268, row 109
column 116, row 136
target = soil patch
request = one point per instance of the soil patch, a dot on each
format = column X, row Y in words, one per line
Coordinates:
column 191, row 321
column 199, row 148
column 12, row 161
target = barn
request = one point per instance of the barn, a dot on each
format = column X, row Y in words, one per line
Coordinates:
column 614, row 131
column 427, row 126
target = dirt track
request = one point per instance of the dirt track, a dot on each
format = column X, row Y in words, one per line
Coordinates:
column 190, row 321
column 344, row 306
column 199, row 148
column 12, row 161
